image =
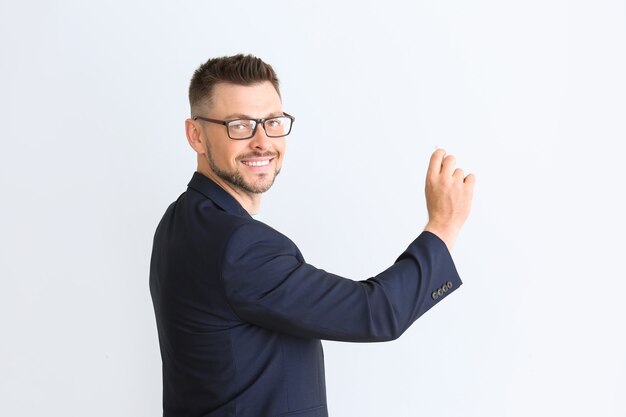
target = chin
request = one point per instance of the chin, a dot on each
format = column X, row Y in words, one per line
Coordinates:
column 260, row 188
column 262, row 184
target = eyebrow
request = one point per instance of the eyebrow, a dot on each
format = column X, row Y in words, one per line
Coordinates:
column 245, row 116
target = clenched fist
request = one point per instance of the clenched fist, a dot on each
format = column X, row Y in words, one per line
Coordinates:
column 448, row 197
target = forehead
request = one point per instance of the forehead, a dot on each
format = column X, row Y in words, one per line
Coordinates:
column 256, row 100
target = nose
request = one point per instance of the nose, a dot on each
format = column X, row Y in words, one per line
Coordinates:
column 260, row 140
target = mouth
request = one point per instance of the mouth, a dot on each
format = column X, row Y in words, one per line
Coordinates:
column 259, row 162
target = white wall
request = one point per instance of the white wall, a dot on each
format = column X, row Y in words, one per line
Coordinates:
column 529, row 95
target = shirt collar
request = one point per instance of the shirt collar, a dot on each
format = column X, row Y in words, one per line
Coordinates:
column 217, row 194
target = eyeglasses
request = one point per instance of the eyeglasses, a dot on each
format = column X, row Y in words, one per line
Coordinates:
column 239, row 129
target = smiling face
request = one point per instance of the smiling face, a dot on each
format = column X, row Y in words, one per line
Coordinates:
column 246, row 166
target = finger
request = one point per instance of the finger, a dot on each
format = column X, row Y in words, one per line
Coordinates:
column 458, row 174
column 434, row 167
column 448, row 165
column 470, row 180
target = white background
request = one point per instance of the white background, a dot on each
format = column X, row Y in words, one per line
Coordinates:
column 529, row 95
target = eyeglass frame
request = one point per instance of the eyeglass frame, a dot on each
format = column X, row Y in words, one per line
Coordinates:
column 257, row 122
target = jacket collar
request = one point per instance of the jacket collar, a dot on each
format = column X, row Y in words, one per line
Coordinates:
column 217, row 194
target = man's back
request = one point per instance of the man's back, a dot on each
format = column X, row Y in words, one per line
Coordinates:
column 214, row 363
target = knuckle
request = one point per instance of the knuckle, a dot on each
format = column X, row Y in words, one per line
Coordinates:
column 447, row 182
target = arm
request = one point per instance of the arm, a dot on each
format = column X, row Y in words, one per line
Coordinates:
column 268, row 284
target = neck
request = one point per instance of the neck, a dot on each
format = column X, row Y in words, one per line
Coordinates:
column 251, row 202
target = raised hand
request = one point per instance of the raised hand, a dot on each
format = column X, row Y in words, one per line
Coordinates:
column 448, row 197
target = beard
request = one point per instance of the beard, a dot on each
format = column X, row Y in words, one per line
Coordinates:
column 263, row 183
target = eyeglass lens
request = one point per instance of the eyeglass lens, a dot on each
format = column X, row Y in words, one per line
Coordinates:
column 274, row 127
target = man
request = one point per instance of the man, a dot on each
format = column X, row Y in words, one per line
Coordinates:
column 239, row 313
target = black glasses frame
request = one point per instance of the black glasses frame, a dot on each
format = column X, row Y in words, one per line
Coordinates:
column 256, row 124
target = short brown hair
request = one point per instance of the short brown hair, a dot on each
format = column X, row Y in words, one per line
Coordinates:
column 237, row 69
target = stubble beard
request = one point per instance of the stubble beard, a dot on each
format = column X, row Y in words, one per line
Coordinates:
column 235, row 178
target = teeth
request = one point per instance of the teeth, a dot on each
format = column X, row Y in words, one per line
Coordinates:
column 256, row 163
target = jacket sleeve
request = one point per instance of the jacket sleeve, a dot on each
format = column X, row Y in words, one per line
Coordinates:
column 268, row 284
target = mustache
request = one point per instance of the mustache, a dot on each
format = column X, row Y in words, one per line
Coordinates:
column 257, row 155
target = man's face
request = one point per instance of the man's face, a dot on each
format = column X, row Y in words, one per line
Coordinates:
column 248, row 165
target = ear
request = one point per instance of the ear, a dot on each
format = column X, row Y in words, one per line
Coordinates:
column 194, row 136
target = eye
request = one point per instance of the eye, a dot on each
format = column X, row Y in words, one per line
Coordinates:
column 241, row 125
column 275, row 122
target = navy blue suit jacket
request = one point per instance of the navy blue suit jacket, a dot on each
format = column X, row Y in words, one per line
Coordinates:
column 240, row 314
